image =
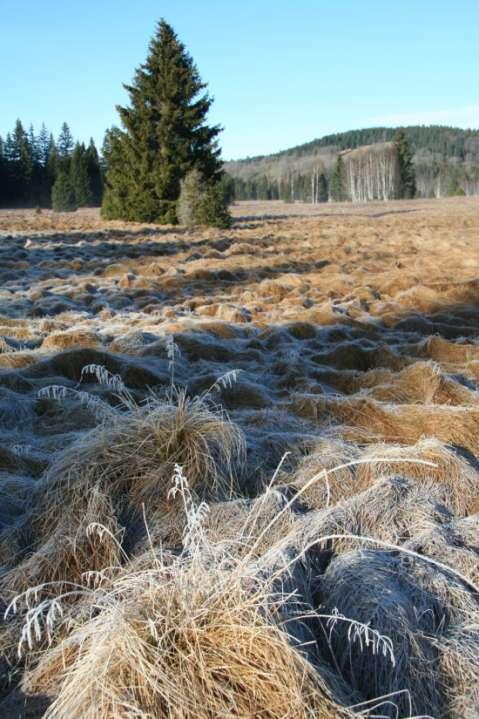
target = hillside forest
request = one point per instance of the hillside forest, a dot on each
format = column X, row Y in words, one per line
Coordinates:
column 360, row 165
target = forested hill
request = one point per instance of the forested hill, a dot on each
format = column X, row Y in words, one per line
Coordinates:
column 446, row 161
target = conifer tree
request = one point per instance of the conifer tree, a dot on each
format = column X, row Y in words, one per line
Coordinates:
column 94, row 173
column 338, row 181
column 65, row 147
column 20, row 164
column 165, row 135
column 3, row 174
column 202, row 202
column 52, row 166
column 407, row 174
column 37, row 173
column 79, row 177
column 43, row 145
column 63, row 194
column 322, row 188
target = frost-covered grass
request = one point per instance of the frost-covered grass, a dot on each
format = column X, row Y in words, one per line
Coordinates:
column 239, row 469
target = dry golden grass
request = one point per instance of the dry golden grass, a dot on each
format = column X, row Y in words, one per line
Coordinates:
column 181, row 639
column 303, row 555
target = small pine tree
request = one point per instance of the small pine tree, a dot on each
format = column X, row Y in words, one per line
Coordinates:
column 202, row 202
column 213, row 211
column 407, row 174
column 338, row 181
column 63, row 194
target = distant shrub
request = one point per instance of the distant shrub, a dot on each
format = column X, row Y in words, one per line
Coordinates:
column 202, row 203
column 63, row 194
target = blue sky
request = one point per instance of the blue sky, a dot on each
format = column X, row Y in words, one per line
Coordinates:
column 282, row 71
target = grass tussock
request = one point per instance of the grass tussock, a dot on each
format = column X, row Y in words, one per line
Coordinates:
column 115, row 470
column 365, row 419
column 418, row 383
column 70, row 338
column 190, row 636
column 457, row 479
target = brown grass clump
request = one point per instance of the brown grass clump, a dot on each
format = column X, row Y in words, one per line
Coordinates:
column 421, row 298
column 70, row 338
column 457, row 478
column 392, row 510
column 329, row 488
column 18, row 331
column 85, row 538
column 453, row 543
column 110, row 472
column 222, row 329
column 272, row 290
column 441, row 350
column 242, row 521
column 18, row 359
column 191, row 637
column 135, row 452
column 364, row 419
column 420, row 382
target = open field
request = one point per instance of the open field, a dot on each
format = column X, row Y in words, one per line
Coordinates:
column 314, row 373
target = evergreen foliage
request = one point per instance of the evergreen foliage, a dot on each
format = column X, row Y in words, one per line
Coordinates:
column 338, row 180
column 93, row 169
column 440, row 155
column 322, row 188
column 63, row 194
column 65, row 147
column 407, row 173
column 164, row 135
column 454, row 187
column 202, row 202
column 30, row 164
column 79, row 177
column 436, row 139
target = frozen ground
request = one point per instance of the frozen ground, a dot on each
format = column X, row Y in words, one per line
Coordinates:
column 347, row 332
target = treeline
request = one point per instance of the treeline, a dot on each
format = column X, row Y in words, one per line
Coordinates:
column 433, row 180
column 437, row 139
column 308, row 187
column 38, row 171
column 446, row 163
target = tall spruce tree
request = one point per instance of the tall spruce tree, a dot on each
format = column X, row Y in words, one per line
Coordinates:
column 165, row 135
column 407, row 174
column 338, row 181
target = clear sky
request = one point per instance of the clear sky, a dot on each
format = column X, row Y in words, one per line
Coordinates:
column 282, row 72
